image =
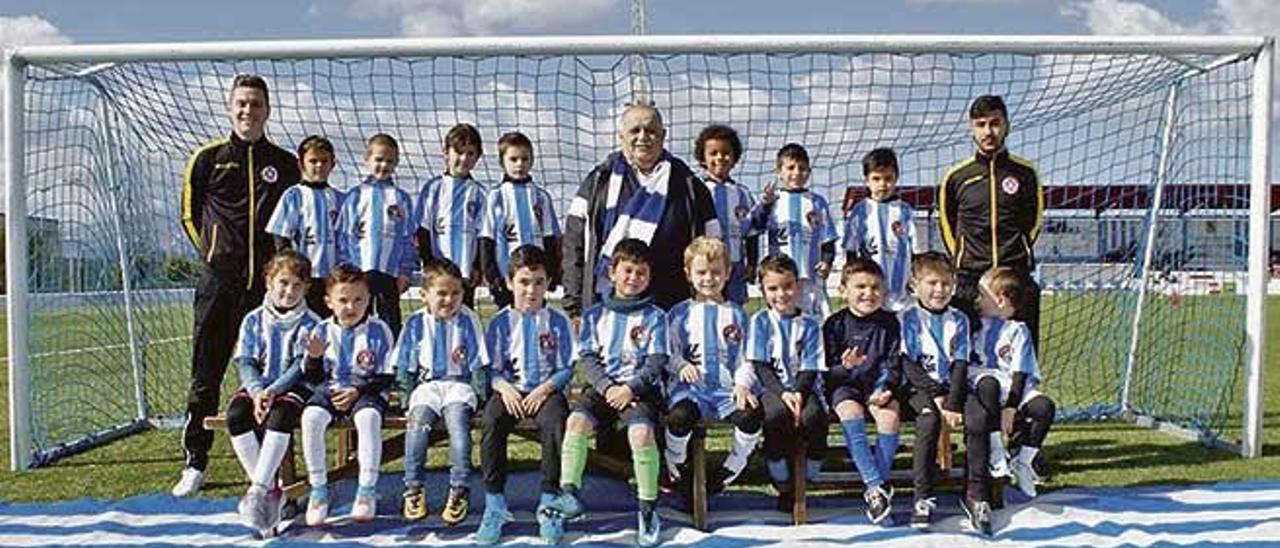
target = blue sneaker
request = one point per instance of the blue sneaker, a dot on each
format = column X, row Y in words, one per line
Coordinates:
column 567, row 506
column 491, row 524
column 550, row 528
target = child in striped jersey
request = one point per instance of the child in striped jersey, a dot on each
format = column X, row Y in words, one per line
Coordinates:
column 520, row 212
column 1005, row 366
column 375, row 231
column 799, row 226
column 623, row 349
column 863, row 370
column 935, row 348
column 440, row 348
column 306, row 215
column 531, row 350
column 450, row 210
column 347, row 359
column 269, row 357
column 718, row 149
column 709, row 375
column 881, row 227
column 784, row 346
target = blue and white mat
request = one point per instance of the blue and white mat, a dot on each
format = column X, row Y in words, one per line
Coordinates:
column 1239, row 514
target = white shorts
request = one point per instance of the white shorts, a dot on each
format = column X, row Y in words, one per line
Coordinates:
column 1006, row 384
column 437, row 395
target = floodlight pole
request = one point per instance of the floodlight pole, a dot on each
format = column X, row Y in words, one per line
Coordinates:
column 1259, row 248
column 16, row 264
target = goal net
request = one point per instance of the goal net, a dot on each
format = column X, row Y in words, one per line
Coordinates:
column 1145, row 148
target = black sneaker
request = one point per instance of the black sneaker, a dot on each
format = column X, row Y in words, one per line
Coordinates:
column 979, row 513
column 879, row 504
column 719, row 480
column 922, row 513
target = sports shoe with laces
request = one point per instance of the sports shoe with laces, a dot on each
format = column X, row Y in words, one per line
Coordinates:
column 567, row 506
column 414, row 507
column 491, row 523
column 879, row 504
column 922, row 513
column 190, row 482
column 1024, row 476
column 456, row 506
column 649, row 528
column 979, row 513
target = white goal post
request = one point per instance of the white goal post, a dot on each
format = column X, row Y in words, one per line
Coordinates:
column 941, row 57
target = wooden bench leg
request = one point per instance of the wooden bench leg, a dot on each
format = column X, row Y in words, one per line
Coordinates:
column 698, row 464
column 799, row 468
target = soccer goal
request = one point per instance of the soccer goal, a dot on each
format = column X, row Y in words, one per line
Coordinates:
column 1154, row 152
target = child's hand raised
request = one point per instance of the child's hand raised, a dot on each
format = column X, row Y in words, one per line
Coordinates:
column 822, row 269
column 852, row 358
column 316, row 346
column 770, row 193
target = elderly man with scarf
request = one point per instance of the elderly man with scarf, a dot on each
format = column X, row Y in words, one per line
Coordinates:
column 641, row 192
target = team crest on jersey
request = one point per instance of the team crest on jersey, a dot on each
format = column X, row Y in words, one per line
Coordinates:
column 547, row 342
column 1003, row 352
column 732, row 334
column 473, row 209
column 1010, row 185
column 639, row 335
column 458, row 355
column 741, row 212
column 333, row 216
column 364, row 359
column 269, row 174
column 814, row 218
column 898, row 229
column 395, row 212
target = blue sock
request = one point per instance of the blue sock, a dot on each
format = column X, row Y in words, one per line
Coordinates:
column 855, row 439
column 546, row 497
column 778, row 470
column 496, row 501
column 367, row 491
column 886, row 448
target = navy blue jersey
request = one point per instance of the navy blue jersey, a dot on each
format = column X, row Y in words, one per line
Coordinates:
column 876, row 336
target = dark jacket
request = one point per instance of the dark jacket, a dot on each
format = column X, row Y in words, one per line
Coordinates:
column 876, row 336
column 990, row 210
column 688, row 210
column 229, row 190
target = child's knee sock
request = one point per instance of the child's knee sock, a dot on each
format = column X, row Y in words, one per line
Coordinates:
column 573, row 459
column 855, row 439
column 247, row 451
column 740, row 451
column 886, row 448
column 314, row 421
column 645, row 463
column 368, row 445
column 677, row 448
column 274, row 445
column 779, row 472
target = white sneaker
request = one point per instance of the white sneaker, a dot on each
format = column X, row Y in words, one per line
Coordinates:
column 364, row 508
column 317, row 511
column 190, row 482
column 1024, row 476
column 253, row 507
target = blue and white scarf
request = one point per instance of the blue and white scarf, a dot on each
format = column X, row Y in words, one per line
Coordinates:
column 639, row 217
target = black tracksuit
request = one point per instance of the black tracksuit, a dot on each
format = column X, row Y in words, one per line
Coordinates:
column 230, row 188
column 991, row 208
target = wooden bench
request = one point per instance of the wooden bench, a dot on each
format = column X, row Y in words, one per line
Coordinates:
column 296, row 486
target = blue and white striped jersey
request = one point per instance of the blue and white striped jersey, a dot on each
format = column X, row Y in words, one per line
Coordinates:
column 798, row 226
column 376, row 230
column 622, row 340
column 530, row 349
column 451, row 210
column 884, row 232
column 273, row 339
column 711, row 336
column 432, row 348
column 1005, row 345
column 792, row 344
column 733, row 210
column 518, row 213
column 935, row 340
column 307, row 215
column 354, row 355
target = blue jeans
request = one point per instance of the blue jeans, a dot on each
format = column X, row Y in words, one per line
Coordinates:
column 457, row 420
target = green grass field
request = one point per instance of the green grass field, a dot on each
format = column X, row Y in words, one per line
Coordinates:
column 1079, row 369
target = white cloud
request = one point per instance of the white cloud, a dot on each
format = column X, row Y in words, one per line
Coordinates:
column 485, row 17
column 1247, row 17
column 29, row 30
column 1123, row 17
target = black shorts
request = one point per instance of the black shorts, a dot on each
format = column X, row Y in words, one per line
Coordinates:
column 366, row 401
column 641, row 410
column 859, row 394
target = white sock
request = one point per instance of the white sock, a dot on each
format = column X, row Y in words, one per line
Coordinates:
column 314, row 421
column 1028, row 454
column 677, row 448
column 740, row 451
column 998, row 452
column 247, row 449
column 274, row 445
column 368, row 445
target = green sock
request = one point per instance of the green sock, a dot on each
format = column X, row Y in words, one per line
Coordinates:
column 573, row 459
column 645, row 462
